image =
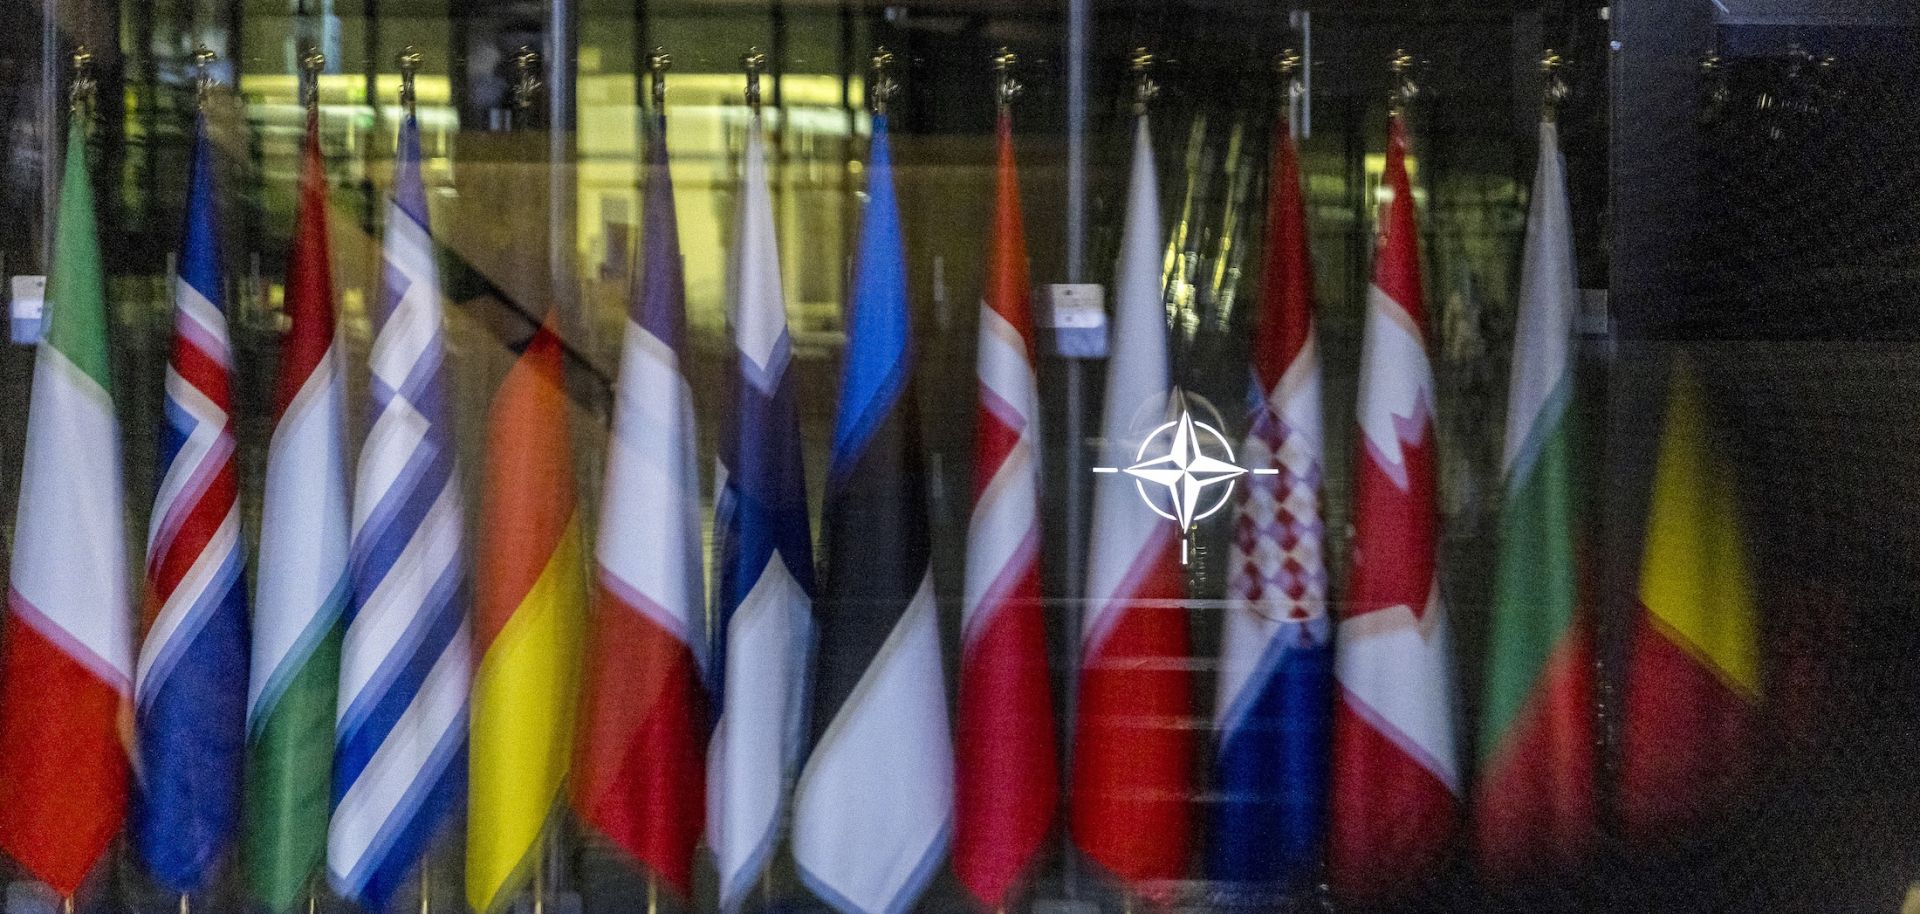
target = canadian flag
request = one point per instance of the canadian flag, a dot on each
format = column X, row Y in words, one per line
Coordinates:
column 1396, row 781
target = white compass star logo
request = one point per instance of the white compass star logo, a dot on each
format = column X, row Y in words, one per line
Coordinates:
column 1194, row 484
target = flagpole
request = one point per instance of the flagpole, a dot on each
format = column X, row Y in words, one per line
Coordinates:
column 751, row 62
column 203, row 59
column 408, row 60
column 1005, row 90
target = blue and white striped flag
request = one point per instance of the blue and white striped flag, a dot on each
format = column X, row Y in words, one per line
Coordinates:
column 763, row 582
column 400, row 753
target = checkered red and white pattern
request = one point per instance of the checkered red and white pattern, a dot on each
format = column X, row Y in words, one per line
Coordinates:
column 1278, row 567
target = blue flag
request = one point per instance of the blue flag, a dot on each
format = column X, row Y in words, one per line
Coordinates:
column 190, row 685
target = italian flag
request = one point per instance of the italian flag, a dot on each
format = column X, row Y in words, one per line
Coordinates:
column 66, row 668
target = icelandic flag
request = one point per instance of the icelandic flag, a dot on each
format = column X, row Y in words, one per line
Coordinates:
column 763, row 579
column 1276, row 652
column 640, row 779
column 190, row 684
column 874, row 806
column 400, row 745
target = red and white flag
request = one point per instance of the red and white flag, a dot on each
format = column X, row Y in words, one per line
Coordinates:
column 1396, row 780
column 1006, row 781
column 1133, row 728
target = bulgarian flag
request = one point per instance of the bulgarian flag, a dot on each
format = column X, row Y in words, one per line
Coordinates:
column 529, row 615
column 1534, row 807
column 1693, row 675
column 66, row 651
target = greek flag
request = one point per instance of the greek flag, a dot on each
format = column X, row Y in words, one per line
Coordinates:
column 401, row 734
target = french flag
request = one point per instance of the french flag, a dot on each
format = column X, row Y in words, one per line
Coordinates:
column 641, row 772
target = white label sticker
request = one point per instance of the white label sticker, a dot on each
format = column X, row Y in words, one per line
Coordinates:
column 29, row 308
column 1077, row 314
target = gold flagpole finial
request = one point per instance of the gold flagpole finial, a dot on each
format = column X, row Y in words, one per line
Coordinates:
column 203, row 58
column 1556, row 89
column 311, row 63
column 1288, row 66
column 409, row 62
column 882, row 88
column 658, row 63
column 80, row 90
column 1288, row 63
column 1145, row 87
column 754, row 62
column 1005, row 87
column 1404, row 88
column 526, row 79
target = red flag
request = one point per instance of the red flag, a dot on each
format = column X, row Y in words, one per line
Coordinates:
column 1133, row 728
column 1006, row 783
column 1395, row 776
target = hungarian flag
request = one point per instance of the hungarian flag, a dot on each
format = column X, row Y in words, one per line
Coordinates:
column 1396, row 783
column 1693, row 674
column 1276, row 653
column 303, row 584
column 874, row 805
column 66, row 649
column 190, row 685
column 763, row 557
column 529, row 612
column 1133, row 728
column 1534, row 803
column 641, row 772
column 1007, row 783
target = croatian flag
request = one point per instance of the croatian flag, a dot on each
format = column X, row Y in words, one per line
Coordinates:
column 1276, row 652
column 1133, row 733
column 401, row 733
column 763, row 581
column 190, row 686
column 1396, row 779
column 873, row 809
column 641, row 777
